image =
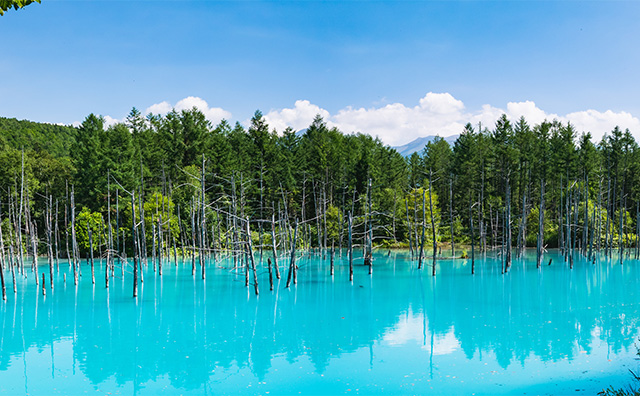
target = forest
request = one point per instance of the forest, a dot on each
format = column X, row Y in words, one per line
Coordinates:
column 161, row 186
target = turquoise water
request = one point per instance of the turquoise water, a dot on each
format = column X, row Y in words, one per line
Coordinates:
column 399, row 331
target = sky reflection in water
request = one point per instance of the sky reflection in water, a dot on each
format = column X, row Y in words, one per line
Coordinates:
column 399, row 331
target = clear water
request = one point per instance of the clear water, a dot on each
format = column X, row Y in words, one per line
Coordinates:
column 399, row 331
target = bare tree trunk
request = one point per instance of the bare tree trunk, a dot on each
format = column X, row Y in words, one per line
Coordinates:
column 253, row 263
column 483, row 232
column 73, row 238
column 473, row 257
column 292, row 262
column 135, row 253
column 2, row 263
column 424, row 226
column 202, row 221
column 393, row 219
column 56, row 238
column 433, row 226
column 522, row 242
column 350, row 248
column 560, row 222
column 159, row 246
column 621, row 232
column 270, row 274
column 369, row 258
column 273, row 245
column 13, row 269
column 110, row 236
column 333, row 254
column 508, row 226
column 540, row 227
column 406, row 203
column 453, row 246
column 568, row 220
column 49, row 241
column 193, row 239
column 93, row 273
column 585, row 233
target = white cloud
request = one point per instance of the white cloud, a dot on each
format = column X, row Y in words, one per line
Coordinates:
column 109, row 121
column 213, row 114
column 298, row 117
column 529, row 111
column 440, row 114
column 159, row 108
column 599, row 123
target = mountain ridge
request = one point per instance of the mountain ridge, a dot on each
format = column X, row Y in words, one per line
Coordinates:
column 417, row 145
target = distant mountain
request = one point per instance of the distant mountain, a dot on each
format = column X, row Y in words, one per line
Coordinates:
column 419, row 144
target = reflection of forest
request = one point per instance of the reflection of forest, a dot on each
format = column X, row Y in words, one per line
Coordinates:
column 172, row 332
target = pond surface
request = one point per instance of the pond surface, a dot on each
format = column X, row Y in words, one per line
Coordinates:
column 399, row 331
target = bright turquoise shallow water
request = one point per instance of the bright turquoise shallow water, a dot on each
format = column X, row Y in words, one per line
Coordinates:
column 400, row 331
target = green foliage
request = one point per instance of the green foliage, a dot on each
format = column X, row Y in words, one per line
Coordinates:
column 334, row 217
column 55, row 140
column 160, row 210
column 631, row 390
column 16, row 4
column 86, row 220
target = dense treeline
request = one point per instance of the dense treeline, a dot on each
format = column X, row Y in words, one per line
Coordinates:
column 486, row 189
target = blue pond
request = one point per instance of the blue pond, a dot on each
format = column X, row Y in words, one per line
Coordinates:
column 398, row 331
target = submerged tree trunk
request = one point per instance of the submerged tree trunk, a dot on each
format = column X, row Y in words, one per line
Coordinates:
column 270, row 273
column 453, row 246
column 409, row 232
column 350, row 248
column 135, row 253
column 540, row 227
column 424, row 225
column 2, row 263
column 508, row 227
column 49, row 241
column 273, row 245
column 73, row 238
column 93, row 273
column 292, row 262
column 473, row 258
column 433, row 227
column 253, row 263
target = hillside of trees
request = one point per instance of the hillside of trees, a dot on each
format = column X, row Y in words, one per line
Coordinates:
column 486, row 188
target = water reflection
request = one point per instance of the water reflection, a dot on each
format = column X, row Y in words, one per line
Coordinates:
column 197, row 335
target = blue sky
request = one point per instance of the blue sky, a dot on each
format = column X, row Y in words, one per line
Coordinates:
column 364, row 65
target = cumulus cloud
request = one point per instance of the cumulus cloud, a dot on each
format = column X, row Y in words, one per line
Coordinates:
column 159, row 108
column 298, row 117
column 109, row 121
column 213, row 114
column 599, row 123
column 440, row 114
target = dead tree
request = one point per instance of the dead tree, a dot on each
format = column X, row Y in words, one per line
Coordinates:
column 292, row 262
column 273, row 245
column 93, row 274
column 74, row 243
column 453, row 246
column 2, row 263
column 135, row 245
column 350, row 248
column 433, row 225
column 539, row 246
column 253, row 263
column 49, row 241
column 424, row 225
